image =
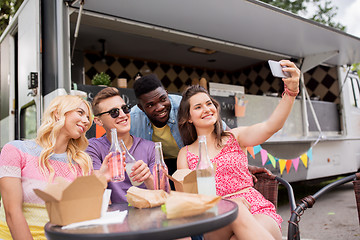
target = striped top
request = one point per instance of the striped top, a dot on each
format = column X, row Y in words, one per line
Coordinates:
column 20, row 159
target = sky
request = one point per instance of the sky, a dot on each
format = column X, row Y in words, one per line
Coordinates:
column 348, row 14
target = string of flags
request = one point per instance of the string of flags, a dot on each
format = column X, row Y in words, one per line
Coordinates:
column 267, row 158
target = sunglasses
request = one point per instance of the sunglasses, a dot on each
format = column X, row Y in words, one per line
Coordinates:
column 114, row 113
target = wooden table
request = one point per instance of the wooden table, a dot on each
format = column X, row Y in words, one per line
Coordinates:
column 150, row 223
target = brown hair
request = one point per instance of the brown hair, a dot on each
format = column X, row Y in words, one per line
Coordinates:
column 103, row 94
column 187, row 130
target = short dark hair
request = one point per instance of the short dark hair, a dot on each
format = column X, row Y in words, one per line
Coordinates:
column 103, row 94
column 146, row 84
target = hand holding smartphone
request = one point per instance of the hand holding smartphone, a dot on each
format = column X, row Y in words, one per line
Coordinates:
column 276, row 70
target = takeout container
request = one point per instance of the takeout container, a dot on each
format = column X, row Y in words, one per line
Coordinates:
column 70, row 202
column 184, row 180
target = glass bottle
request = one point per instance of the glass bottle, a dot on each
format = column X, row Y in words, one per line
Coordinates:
column 116, row 164
column 205, row 171
column 130, row 161
column 161, row 181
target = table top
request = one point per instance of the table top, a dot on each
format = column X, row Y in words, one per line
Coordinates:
column 150, row 223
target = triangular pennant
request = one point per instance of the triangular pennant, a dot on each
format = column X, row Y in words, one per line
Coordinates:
column 282, row 163
column 303, row 158
column 295, row 163
column 257, row 149
column 264, row 157
column 251, row 151
column 288, row 165
column 309, row 153
column 99, row 131
column 272, row 159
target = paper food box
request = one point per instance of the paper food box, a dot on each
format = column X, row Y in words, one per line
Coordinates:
column 70, row 202
column 184, row 180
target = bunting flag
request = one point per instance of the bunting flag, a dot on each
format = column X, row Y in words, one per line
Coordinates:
column 264, row 156
column 282, row 163
column 256, row 149
column 295, row 163
column 267, row 158
column 251, row 151
column 288, row 165
column 303, row 158
column 272, row 160
column 309, row 153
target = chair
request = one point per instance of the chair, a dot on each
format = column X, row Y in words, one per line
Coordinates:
column 268, row 186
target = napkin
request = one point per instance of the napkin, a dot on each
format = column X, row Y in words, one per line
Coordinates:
column 107, row 218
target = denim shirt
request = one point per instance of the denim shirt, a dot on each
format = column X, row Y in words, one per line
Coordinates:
column 141, row 125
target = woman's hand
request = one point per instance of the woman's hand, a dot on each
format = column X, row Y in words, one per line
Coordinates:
column 254, row 169
column 292, row 82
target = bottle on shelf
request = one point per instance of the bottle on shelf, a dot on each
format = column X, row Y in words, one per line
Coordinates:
column 130, row 161
column 161, row 181
column 116, row 164
column 205, row 171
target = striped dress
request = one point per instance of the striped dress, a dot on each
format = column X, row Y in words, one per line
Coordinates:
column 20, row 159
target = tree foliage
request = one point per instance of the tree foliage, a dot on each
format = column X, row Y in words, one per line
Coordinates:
column 8, row 9
column 324, row 13
column 294, row 6
column 356, row 68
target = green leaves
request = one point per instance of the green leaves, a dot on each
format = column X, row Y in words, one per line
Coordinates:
column 356, row 67
column 324, row 13
column 101, row 79
column 8, row 9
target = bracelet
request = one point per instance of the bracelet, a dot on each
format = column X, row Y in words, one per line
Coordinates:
column 289, row 92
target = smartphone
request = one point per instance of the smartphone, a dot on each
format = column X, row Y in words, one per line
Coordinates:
column 276, row 69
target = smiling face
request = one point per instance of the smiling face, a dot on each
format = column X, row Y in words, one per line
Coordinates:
column 121, row 122
column 156, row 105
column 76, row 122
column 203, row 112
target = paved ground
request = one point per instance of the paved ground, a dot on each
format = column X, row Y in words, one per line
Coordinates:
column 334, row 215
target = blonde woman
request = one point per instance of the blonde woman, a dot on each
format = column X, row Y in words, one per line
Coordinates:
column 58, row 151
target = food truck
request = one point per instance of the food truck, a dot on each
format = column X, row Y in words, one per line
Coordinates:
column 56, row 47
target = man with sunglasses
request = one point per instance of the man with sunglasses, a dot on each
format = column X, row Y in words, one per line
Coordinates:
column 110, row 112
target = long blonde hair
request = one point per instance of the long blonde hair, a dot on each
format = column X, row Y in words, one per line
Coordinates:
column 52, row 123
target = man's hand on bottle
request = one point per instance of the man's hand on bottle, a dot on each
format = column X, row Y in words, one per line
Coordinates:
column 140, row 171
column 104, row 169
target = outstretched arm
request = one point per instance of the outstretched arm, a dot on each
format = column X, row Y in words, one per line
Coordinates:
column 258, row 133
